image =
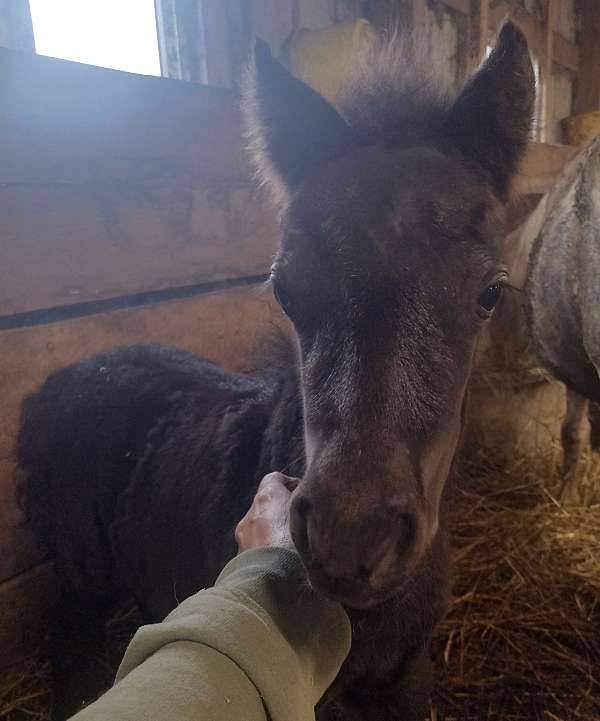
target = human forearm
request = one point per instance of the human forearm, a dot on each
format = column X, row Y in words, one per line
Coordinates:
column 260, row 643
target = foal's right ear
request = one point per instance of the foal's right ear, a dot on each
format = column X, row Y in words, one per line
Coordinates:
column 291, row 128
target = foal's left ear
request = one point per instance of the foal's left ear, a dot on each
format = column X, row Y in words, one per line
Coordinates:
column 291, row 128
column 491, row 119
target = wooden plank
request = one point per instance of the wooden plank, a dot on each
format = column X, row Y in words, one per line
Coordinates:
column 567, row 19
column 565, row 53
column 63, row 244
column 223, row 327
column 240, row 38
column 587, row 93
column 26, row 604
column 216, row 42
column 541, row 165
column 114, row 183
column 442, row 38
column 563, row 82
column 478, row 31
column 180, row 43
column 63, row 121
column 462, row 48
column 16, row 28
column 546, row 68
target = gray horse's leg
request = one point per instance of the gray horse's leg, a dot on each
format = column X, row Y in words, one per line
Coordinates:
column 575, row 435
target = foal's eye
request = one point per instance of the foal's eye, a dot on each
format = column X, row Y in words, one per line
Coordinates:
column 280, row 294
column 488, row 300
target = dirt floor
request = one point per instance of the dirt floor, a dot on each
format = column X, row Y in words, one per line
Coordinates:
column 521, row 641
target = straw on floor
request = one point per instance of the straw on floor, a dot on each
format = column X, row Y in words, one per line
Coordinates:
column 521, row 641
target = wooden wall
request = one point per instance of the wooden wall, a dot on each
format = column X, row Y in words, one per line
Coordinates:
column 455, row 34
column 126, row 215
column 459, row 32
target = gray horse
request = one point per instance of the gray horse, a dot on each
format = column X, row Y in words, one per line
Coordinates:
column 563, row 296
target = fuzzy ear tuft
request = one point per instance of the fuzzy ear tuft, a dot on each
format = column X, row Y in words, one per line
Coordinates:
column 491, row 120
column 291, row 128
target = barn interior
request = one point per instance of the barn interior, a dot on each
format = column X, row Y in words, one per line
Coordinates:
column 128, row 214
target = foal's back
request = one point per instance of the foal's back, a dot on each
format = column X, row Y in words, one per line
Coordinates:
column 139, row 462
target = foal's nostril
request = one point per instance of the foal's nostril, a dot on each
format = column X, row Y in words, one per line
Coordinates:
column 364, row 573
column 302, row 506
column 406, row 534
column 299, row 513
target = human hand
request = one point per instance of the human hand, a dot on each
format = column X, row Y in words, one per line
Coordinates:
column 267, row 521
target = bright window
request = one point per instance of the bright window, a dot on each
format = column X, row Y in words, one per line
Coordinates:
column 118, row 34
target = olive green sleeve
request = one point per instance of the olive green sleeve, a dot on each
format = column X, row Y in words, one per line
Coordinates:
column 258, row 645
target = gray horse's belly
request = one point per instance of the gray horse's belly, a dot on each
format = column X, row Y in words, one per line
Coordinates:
column 558, row 306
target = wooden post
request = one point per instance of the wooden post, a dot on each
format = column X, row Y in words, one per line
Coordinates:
column 17, row 27
column 180, row 41
column 546, row 70
column 478, row 31
column 587, row 87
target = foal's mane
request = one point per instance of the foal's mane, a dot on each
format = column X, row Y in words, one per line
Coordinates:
column 390, row 95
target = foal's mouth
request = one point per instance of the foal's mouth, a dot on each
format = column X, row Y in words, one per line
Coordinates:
column 353, row 593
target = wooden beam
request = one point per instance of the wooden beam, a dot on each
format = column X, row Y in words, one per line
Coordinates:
column 565, row 53
column 63, row 246
column 546, row 66
column 214, row 37
column 479, row 22
column 17, row 27
column 462, row 24
column 181, row 49
column 541, row 166
column 587, row 89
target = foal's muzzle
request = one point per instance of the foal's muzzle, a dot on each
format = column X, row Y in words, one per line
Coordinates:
column 359, row 562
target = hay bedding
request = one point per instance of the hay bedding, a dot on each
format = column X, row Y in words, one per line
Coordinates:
column 522, row 639
column 24, row 690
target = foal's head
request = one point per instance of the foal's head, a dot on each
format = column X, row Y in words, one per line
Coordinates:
column 387, row 269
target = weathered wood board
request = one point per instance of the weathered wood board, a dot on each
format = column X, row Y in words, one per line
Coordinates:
column 223, row 327
column 541, row 165
column 65, row 245
column 118, row 126
column 112, row 183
